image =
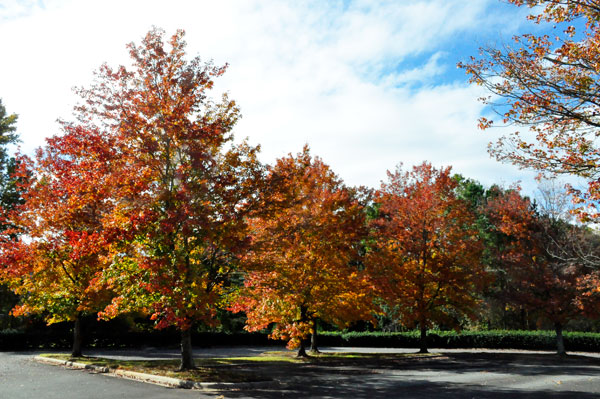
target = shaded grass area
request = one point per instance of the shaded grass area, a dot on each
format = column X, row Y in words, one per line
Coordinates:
column 207, row 369
column 240, row 369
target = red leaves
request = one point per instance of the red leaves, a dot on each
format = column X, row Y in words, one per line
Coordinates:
column 180, row 197
column 540, row 260
column 426, row 251
column 60, row 249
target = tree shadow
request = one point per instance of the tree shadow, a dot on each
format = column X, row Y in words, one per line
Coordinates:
column 456, row 375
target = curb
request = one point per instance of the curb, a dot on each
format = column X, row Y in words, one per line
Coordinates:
column 68, row 363
column 154, row 379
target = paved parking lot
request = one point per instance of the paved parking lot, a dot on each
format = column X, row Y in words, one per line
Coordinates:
column 453, row 374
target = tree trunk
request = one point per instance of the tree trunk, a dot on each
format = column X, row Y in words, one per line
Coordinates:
column 301, row 350
column 313, row 338
column 523, row 319
column 560, row 343
column 303, row 318
column 423, row 339
column 77, row 338
column 187, row 357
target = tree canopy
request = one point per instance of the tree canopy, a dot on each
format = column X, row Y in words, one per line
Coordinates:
column 303, row 259
column 548, row 84
column 426, row 255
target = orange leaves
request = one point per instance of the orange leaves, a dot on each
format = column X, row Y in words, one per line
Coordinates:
column 181, row 189
column 426, row 251
column 305, row 237
column 59, row 249
column 548, row 86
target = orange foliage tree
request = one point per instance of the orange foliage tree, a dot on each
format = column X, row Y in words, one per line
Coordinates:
column 55, row 249
column 425, row 249
column 181, row 187
column 545, row 272
column 303, row 260
column 549, row 84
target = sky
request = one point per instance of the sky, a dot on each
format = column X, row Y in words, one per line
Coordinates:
column 367, row 84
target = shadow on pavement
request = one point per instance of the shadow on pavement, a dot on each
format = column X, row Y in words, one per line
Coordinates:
column 455, row 375
column 407, row 390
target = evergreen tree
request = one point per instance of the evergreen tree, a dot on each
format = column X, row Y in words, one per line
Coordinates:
column 9, row 196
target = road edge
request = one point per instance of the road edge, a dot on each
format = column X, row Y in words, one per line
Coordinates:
column 153, row 379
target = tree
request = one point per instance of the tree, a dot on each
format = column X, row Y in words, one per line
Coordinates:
column 543, row 274
column 302, row 263
column 9, row 195
column 181, row 186
column 426, row 251
column 54, row 249
column 549, row 84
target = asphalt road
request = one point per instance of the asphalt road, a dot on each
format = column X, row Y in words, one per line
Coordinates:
column 455, row 374
column 22, row 378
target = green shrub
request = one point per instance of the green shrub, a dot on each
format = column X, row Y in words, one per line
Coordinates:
column 493, row 339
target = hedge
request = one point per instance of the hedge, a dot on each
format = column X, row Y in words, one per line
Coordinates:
column 18, row 340
column 495, row 339
column 492, row 339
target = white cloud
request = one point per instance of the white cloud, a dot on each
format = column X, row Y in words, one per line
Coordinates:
column 325, row 73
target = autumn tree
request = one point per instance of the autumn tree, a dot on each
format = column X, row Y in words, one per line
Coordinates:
column 541, row 259
column 549, row 85
column 425, row 256
column 303, row 259
column 53, row 250
column 181, row 186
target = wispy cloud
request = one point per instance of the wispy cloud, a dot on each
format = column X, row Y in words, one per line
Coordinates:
column 354, row 79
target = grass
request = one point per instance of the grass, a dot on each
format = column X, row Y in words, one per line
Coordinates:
column 229, row 369
column 232, row 369
column 369, row 356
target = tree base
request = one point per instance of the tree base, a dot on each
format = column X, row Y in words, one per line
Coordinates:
column 302, row 353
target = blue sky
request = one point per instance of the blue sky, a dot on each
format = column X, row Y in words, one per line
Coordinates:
column 367, row 84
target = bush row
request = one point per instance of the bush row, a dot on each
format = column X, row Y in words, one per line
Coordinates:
column 499, row 339
column 493, row 339
column 19, row 340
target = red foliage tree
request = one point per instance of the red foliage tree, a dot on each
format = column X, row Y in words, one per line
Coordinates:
column 544, row 272
column 181, row 187
column 55, row 250
column 304, row 252
column 425, row 255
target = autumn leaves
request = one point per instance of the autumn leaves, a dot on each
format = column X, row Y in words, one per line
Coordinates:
column 146, row 204
column 547, row 84
column 426, row 255
column 303, row 261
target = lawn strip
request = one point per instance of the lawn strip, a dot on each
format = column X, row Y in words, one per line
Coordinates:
column 241, row 369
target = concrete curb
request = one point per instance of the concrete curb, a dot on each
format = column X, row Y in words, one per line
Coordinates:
column 68, row 363
column 155, row 379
